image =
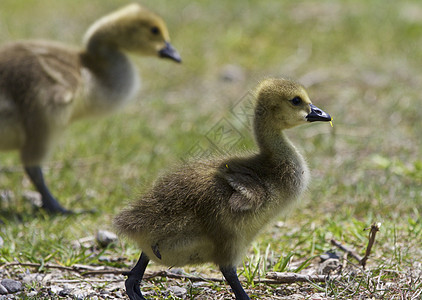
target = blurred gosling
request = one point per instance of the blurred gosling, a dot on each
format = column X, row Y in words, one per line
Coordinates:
column 44, row 86
column 211, row 210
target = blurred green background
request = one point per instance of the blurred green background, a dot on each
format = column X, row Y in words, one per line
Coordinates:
column 361, row 61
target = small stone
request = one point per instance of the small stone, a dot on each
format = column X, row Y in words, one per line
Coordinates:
column 64, row 292
column 30, row 278
column 109, row 260
column 47, row 279
column 33, row 197
column 293, row 297
column 318, row 296
column 6, row 196
column 56, row 289
column 178, row 291
column 39, row 277
column 328, row 266
column 200, row 284
column 177, row 271
column 86, row 242
column 105, row 238
column 11, row 285
column 120, row 295
column 79, row 294
column 280, row 224
column 32, row 294
column 3, row 290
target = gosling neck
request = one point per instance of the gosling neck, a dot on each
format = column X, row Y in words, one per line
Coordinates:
column 273, row 142
column 110, row 67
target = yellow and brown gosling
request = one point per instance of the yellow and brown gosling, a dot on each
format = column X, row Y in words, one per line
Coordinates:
column 44, row 86
column 211, row 210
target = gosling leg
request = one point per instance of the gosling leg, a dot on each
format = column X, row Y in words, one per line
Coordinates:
column 134, row 278
column 231, row 277
column 49, row 203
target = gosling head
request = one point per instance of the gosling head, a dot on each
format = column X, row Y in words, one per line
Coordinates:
column 284, row 104
column 135, row 29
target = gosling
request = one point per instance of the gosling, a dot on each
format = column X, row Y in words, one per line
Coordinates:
column 44, row 86
column 211, row 210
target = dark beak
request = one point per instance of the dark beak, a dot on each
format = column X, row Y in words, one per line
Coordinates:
column 317, row 114
column 169, row 52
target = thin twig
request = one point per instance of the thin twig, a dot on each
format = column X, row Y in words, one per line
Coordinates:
column 107, row 271
column 279, row 277
column 375, row 227
column 39, row 266
column 166, row 273
column 271, row 278
column 344, row 262
column 81, row 269
column 344, row 248
column 87, row 280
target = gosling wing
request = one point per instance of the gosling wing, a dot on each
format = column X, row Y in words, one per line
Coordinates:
column 249, row 190
column 39, row 63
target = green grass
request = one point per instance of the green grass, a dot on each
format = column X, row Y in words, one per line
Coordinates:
column 361, row 61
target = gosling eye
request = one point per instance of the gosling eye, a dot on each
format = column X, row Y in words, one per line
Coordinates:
column 155, row 30
column 296, row 101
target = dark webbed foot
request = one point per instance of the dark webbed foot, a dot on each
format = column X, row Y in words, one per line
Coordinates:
column 55, row 209
column 231, row 277
column 132, row 287
column 49, row 203
column 135, row 277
